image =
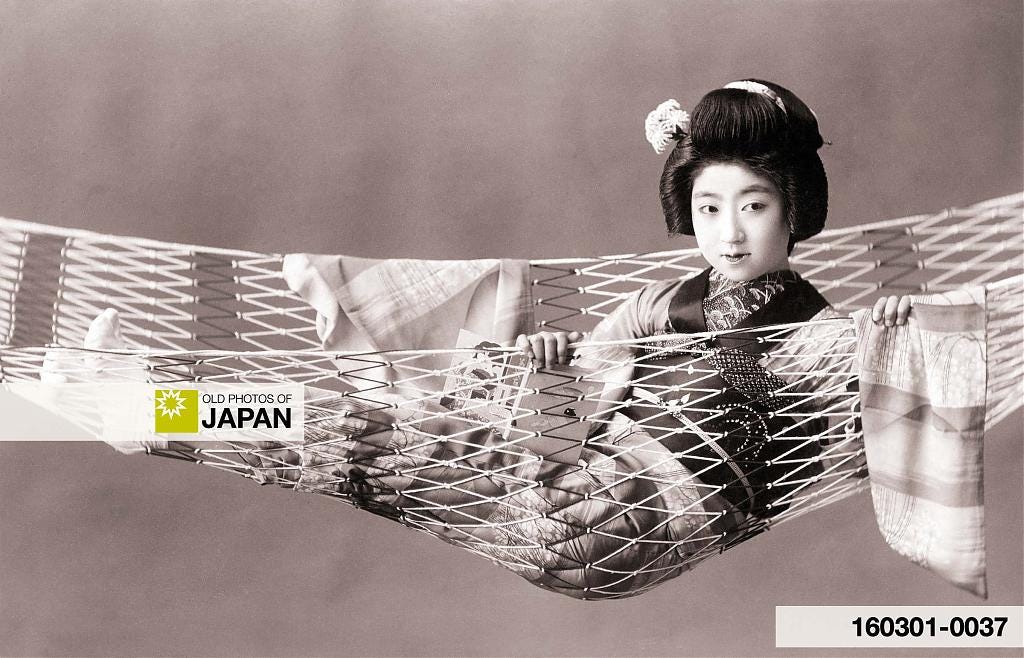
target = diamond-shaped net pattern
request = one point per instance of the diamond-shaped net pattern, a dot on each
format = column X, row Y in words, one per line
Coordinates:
column 715, row 444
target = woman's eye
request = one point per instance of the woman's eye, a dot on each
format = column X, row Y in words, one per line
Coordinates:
column 708, row 210
column 755, row 206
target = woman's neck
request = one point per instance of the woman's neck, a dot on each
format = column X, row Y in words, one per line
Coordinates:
column 782, row 273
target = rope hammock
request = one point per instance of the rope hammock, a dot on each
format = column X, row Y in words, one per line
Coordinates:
column 479, row 449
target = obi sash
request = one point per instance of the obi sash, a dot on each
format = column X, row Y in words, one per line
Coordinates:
column 724, row 422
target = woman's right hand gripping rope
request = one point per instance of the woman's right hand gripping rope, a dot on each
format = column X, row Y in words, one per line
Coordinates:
column 548, row 348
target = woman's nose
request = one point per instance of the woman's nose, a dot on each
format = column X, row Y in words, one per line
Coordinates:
column 732, row 232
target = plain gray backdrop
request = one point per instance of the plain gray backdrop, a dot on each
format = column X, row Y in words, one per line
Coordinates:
column 447, row 130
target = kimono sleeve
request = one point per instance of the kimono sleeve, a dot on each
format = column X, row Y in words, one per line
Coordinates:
column 643, row 313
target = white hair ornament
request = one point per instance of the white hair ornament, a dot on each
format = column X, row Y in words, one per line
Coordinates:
column 666, row 123
column 758, row 88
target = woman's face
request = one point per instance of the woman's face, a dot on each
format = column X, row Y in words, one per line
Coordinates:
column 739, row 221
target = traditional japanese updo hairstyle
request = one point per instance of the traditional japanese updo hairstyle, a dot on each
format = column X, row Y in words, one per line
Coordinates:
column 761, row 125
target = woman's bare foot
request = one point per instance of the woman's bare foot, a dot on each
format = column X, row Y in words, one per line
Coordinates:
column 105, row 332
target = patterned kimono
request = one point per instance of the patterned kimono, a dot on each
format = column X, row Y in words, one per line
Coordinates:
column 595, row 530
column 642, row 504
column 714, row 404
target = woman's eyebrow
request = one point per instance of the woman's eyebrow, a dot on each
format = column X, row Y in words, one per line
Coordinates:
column 755, row 188
column 705, row 194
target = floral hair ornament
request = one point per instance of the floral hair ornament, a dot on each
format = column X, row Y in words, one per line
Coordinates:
column 666, row 123
column 758, row 88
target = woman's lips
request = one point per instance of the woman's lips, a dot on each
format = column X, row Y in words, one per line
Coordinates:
column 734, row 258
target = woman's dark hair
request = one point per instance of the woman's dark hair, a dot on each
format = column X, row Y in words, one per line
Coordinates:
column 741, row 126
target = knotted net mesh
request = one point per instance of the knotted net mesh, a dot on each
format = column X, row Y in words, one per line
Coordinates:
column 721, row 435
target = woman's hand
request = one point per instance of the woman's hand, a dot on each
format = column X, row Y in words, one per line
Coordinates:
column 548, row 348
column 892, row 310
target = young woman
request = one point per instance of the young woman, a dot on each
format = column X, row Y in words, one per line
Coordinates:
column 642, row 504
column 746, row 180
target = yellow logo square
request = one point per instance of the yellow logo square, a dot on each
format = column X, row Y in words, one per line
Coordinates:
column 176, row 411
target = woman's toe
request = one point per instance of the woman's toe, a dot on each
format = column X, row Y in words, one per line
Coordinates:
column 105, row 332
